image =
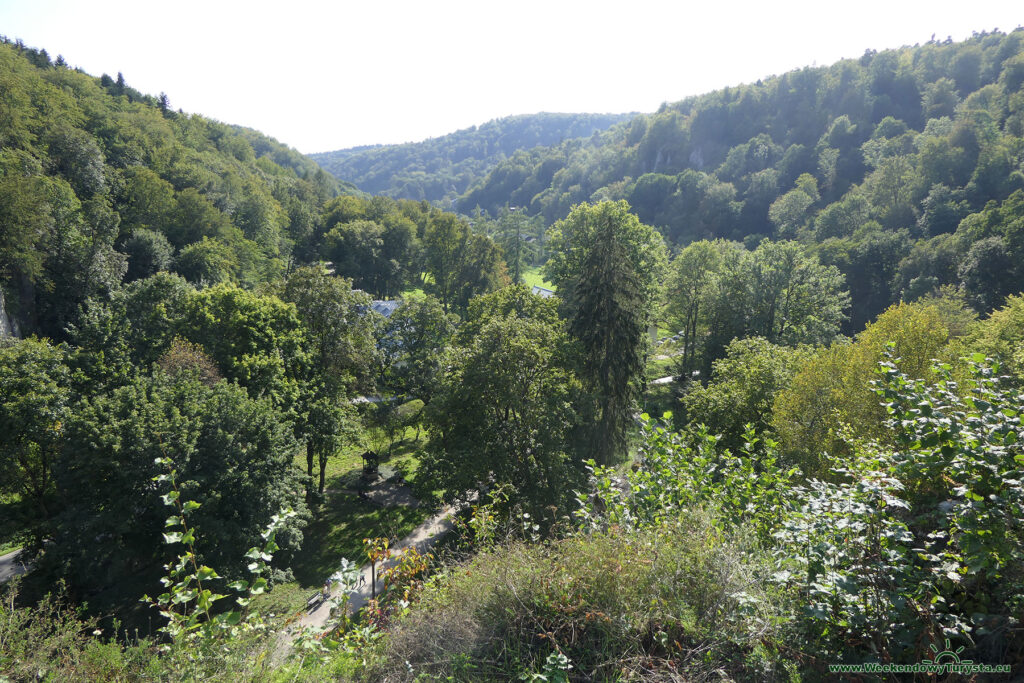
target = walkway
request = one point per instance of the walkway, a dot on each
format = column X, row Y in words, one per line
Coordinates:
column 11, row 566
column 423, row 537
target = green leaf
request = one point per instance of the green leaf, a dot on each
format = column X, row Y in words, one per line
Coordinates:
column 206, row 573
column 231, row 618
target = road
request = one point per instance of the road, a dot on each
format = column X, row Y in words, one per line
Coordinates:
column 11, row 566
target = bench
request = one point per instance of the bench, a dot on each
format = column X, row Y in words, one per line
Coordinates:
column 314, row 599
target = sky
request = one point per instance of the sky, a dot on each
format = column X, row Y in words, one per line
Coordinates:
column 321, row 76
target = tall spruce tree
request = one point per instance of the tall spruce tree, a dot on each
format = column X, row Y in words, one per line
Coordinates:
column 608, row 266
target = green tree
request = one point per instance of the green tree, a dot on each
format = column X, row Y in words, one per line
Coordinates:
column 148, row 252
column 412, row 344
column 233, row 455
column 460, row 263
column 339, row 338
column 35, row 403
column 207, row 262
column 743, row 389
column 504, row 414
column 688, row 294
column 608, row 267
column 831, row 391
column 257, row 341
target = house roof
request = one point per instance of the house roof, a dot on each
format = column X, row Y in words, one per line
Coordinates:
column 542, row 291
column 385, row 308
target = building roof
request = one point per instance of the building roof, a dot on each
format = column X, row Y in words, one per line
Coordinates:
column 385, row 308
column 542, row 291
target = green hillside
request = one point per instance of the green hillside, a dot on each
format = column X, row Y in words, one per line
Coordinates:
column 442, row 168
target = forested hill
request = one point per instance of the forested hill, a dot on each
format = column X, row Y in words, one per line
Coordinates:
column 873, row 162
column 99, row 182
column 441, row 169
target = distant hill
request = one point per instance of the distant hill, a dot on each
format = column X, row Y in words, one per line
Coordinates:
column 944, row 113
column 903, row 168
column 441, row 169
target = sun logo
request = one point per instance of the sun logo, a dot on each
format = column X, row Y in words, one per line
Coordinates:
column 947, row 656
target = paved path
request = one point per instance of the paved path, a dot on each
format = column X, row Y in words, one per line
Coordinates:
column 11, row 566
column 422, row 538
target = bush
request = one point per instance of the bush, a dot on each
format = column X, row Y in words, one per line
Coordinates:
column 682, row 599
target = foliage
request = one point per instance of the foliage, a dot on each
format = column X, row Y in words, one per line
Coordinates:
column 720, row 291
column 412, row 343
column 35, row 404
column 601, row 603
column 187, row 605
column 461, row 264
column 923, row 540
column 743, row 388
column 831, row 390
column 608, row 268
column 504, row 413
column 440, row 169
column 1001, row 336
column 90, row 166
column 680, row 471
column 257, row 341
column 233, row 455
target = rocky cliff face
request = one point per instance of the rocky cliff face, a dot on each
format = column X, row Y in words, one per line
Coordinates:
column 8, row 327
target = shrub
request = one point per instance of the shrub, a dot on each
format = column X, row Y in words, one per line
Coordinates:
column 682, row 599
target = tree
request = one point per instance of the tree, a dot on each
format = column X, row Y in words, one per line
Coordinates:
column 233, row 455
column 504, row 414
column 35, row 402
column 832, row 389
column 461, row 264
column 148, row 252
column 1001, row 336
column 194, row 217
column 412, row 343
column 688, row 297
column 743, row 389
column 339, row 335
column 25, row 216
column 257, row 341
column 608, row 267
column 357, row 251
column 790, row 211
column 207, row 262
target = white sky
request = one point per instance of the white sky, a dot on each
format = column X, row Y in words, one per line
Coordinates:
column 321, row 76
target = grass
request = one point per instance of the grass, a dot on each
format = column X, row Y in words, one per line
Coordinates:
column 342, row 523
column 343, row 520
column 532, row 277
column 659, row 367
column 11, row 523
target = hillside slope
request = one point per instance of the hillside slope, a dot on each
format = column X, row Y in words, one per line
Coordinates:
column 99, row 182
column 899, row 168
column 442, row 168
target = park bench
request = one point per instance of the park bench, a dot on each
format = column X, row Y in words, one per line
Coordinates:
column 314, row 599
